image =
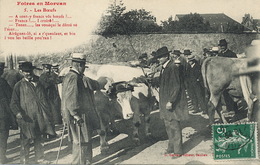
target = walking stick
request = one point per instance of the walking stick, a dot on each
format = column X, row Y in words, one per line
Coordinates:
column 79, row 144
column 63, row 130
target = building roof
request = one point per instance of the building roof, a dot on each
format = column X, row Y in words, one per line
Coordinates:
column 215, row 20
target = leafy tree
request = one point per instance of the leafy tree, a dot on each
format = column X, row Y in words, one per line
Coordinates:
column 169, row 25
column 117, row 21
column 234, row 27
column 192, row 22
column 112, row 22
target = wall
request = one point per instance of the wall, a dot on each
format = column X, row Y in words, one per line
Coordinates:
column 123, row 48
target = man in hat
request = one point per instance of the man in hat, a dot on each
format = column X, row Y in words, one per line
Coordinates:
column 224, row 51
column 173, row 103
column 7, row 119
column 50, row 80
column 195, row 85
column 143, row 60
column 78, row 110
column 31, row 107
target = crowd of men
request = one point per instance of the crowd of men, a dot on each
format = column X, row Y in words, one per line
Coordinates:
column 35, row 105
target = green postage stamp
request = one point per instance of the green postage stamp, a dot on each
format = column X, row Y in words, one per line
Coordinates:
column 235, row 141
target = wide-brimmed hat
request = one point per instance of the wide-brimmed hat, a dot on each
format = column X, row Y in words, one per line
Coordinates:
column 2, row 65
column 55, row 65
column 153, row 53
column 187, row 52
column 27, row 66
column 191, row 57
column 78, row 57
column 214, row 49
column 162, row 52
column 144, row 55
column 222, row 42
column 48, row 66
column 177, row 52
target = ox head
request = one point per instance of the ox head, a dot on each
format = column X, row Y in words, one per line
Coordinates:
column 121, row 95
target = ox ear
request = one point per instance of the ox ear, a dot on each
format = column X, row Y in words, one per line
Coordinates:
column 111, row 92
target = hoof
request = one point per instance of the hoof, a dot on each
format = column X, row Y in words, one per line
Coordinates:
column 136, row 141
column 104, row 149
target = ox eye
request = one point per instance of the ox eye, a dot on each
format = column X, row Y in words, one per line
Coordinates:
column 118, row 99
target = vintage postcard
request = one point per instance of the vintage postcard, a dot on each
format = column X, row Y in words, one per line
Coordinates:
column 159, row 73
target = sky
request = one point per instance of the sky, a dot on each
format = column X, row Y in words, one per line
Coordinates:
column 87, row 13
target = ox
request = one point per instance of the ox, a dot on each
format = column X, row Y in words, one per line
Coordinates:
column 123, row 100
column 127, row 99
column 218, row 75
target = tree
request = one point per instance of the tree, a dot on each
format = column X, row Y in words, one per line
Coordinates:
column 112, row 23
column 117, row 21
column 192, row 22
column 169, row 25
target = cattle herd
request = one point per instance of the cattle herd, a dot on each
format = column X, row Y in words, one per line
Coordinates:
column 128, row 92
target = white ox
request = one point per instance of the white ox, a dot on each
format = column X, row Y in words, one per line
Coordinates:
column 129, row 104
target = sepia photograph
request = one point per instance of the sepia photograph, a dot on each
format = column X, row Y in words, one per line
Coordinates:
column 129, row 82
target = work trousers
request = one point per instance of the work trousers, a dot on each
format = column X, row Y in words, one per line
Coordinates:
column 173, row 130
column 25, row 148
column 4, row 133
column 84, row 151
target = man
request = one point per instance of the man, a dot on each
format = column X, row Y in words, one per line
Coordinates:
column 7, row 119
column 173, row 103
column 49, row 80
column 224, row 51
column 78, row 110
column 143, row 60
column 31, row 106
column 195, row 85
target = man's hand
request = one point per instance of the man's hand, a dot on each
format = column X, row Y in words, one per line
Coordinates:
column 78, row 120
column 169, row 105
column 19, row 115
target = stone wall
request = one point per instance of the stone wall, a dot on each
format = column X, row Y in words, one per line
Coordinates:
column 124, row 48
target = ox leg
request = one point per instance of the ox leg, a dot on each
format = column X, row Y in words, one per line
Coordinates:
column 112, row 127
column 137, row 123
column 212, row 105
column 103, row 142
column 147, row 119
column 136, row 133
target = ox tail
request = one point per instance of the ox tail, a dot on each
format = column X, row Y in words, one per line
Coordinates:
column 204, row 75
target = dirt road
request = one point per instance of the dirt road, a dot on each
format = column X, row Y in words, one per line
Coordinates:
column 197, row 141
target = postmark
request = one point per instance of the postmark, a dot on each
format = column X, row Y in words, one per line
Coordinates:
column 235, row 141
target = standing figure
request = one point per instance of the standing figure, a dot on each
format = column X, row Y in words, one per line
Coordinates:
column 49, row 79
column 7, row 119
column 224, row 51
column 31, row 106
column 196, row 86
column 78, row 109
column 173, row 103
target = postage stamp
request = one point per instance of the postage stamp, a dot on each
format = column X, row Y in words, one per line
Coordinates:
column 235, row 141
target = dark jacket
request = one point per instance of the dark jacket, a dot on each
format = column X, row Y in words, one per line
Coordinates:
column 78, row 100
column 172, row 90
column 31, row 101
column 194, row 74
column 227, row 53
column 7, row 119
column 50, row 81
